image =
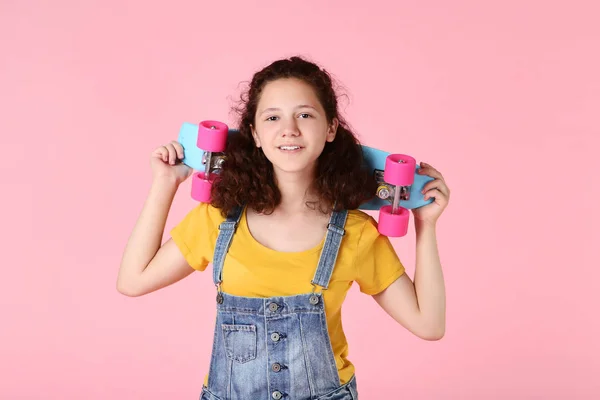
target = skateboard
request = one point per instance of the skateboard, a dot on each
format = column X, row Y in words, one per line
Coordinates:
column 398, row 183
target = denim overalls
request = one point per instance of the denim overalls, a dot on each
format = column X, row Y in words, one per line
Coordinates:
column 275, row 348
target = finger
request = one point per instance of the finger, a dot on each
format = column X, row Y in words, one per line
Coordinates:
column 178, row 149
column 161, row 152
column 435, row 184
column 424, row 164
column 437, row 194
column 172, row 153
column 429, row 170
column 431, row 193
column 165, row 154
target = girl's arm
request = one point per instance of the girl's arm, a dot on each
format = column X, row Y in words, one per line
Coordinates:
column 147, row 266
column 421, row 306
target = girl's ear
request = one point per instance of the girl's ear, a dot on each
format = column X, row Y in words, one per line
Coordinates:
column 255, row 136
column 332, row 131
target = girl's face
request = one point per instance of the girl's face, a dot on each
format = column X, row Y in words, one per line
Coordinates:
column 291, row 126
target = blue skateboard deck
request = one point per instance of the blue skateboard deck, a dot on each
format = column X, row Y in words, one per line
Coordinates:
column 374, row 158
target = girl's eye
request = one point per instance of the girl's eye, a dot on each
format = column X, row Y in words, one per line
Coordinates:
column 274, row 117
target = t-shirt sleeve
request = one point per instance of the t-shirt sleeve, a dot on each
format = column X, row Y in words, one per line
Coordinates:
column 377, row 263
column 195, row 235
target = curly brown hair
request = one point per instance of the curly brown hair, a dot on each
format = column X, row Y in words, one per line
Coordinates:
column 247, row 177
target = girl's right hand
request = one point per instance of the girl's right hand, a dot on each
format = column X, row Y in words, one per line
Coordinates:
column 166, row 163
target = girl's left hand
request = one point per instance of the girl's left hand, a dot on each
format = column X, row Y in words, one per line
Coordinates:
column 437, row 189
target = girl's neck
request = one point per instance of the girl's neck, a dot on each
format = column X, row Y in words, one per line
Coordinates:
column 295, row 189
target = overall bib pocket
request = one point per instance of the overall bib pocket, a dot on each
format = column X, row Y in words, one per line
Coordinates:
column 239, row 342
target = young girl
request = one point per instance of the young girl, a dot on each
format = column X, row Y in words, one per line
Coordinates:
column 286, row 241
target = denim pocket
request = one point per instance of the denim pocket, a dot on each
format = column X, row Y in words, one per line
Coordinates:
column 239, row 342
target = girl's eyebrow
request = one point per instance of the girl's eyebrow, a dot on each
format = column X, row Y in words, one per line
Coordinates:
column 278, row 109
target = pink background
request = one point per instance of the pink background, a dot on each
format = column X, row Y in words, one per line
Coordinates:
column 503, row 98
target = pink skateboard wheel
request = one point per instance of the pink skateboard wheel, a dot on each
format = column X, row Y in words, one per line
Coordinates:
column 212, row 136
column 393, row 225
column 201, row 187
column 399, row 169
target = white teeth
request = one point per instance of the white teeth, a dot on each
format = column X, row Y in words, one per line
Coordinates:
column 289, row 147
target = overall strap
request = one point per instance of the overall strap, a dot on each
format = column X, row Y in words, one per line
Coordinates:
column 333, row 240
column 226, row 230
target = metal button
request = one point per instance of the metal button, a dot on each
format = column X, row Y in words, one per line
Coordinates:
column 275, row 337
column 273, row 307
column 277, row 395
column 220, row 298
column 314, row 300
column 276, row 367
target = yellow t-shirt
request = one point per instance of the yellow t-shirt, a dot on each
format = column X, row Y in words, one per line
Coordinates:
column 253, row 270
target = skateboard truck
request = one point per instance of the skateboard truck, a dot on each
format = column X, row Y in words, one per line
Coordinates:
column 210, row 160
column 212, row 137
column 395, row 181
column 396, row 192
column 207, row 157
